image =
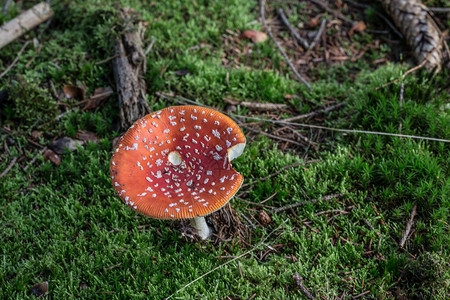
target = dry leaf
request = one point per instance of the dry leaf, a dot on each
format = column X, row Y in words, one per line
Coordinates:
column 73, row 92
column 255, row 36
column 52, row 156
column 35, row 134
column 100, row 95
column 359, row 27
column 314, row 22
column 40, row 289
column 86, row 136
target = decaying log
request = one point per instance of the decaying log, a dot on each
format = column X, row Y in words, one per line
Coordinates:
column 421, row 33
column 129, row 69
column 25, row 21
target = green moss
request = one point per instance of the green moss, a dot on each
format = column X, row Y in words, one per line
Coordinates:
column 65, row 225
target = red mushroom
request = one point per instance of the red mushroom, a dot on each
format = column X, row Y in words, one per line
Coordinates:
column 176, row 164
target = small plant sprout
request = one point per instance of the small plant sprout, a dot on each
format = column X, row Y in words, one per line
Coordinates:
column 176, row 164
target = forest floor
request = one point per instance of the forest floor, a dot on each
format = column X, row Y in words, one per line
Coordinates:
column 62, row 226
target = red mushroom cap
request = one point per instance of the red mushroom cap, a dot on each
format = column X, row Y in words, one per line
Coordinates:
column 175, row 163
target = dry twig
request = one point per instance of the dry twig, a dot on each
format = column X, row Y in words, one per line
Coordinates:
column 275, row 137
column 257, row 105
column 269, row 32
column 15, row 59
column 318, row 35
column 228, row 262
column 299, row 281
column 315, row 113
column 301, row 40
column 8, row 168
column 27, row 20
column 408, row 226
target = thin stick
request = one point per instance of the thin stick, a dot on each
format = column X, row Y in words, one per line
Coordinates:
column 408, row 226
column 15, row 59
column 34, row 158
column 8, row 167
column 228, row 262
column 345, row 130
column 5, row 8
column 318, row 35
column 332, row 11
column 360, row 5
column 269, row 32
column 301, row 41
column 442, row 10
column 106, row 60
column 284, row 168
column 299, row 281
column 275, row 137
column 257, row 105
column 315, row 113
column 418, row 66
column 150, row 46
column 234, row 116
column 248, row 221
column 293, row 205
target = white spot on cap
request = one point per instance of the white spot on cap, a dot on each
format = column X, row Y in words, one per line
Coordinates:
column 216, row 133
column 174, row 158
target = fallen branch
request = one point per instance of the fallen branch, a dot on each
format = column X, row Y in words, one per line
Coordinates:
column 318, row 35
column 15, row 59
column 5, row 8
column 335, row 13
column 301, row 40
column 299, row 281
column 269, row 32
column 228, row 262
column 315, row 113
column 325, row 198
column 408, row 226
column 129, row 69
column 275, row 137
column 256, row 105
column 8, row 168
column 25, row 21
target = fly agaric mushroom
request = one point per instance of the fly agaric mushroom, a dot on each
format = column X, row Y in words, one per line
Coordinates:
column 176, row 164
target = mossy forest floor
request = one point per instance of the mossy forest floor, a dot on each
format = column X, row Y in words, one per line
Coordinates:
column 63, row 224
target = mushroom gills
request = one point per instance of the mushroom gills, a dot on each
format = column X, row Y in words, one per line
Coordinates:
column 203, row 230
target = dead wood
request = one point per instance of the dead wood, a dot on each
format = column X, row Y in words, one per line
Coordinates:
column 257, row 105
column 285, row 20
column 408, row 226
column 299, row 281
column 25, row 21
column 129, row 69
column 421, row 32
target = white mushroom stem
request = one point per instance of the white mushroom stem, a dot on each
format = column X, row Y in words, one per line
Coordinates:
column 202, row 228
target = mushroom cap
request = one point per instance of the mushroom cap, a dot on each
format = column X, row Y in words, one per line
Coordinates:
column 175, row 163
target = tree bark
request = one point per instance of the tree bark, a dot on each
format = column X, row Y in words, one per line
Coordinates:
column 129, row 69
column 421, row 33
